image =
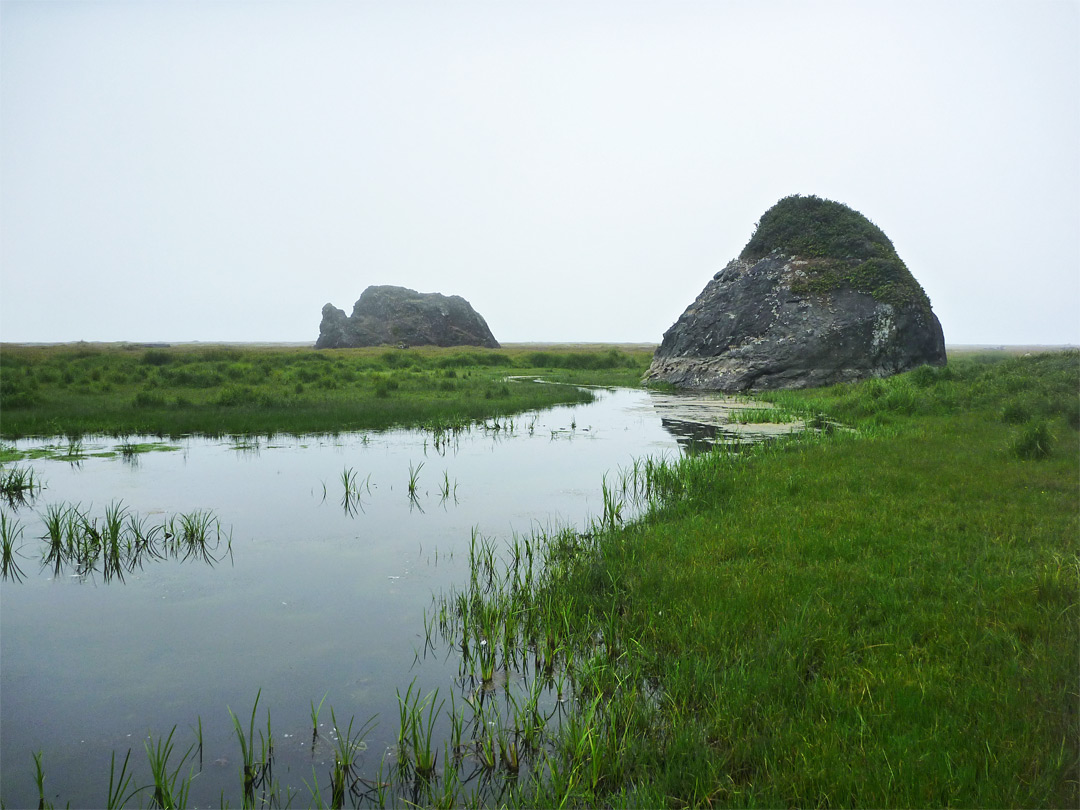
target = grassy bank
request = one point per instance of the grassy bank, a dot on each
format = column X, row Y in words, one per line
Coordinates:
column 886, row 617
column 119, row 390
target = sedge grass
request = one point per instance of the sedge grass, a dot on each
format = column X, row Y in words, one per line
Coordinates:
column 169, row 790
column 254, row 770
column 344, row 776
column 416, row 730
column 120, row 791
column 414, row 479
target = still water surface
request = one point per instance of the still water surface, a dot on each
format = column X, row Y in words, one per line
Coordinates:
column 315, row 600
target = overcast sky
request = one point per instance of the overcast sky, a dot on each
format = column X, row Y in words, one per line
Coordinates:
column 174, row 171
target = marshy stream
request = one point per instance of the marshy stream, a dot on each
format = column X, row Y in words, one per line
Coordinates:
column 331, row 554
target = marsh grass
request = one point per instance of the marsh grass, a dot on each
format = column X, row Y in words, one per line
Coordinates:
column 19, row 485
column 344, row 776
column 121, row 540
column 757, row 416
column 414, row 479
column 216, row 391
column 255, row 768
column 169, row 790
column 39, row 780
column 416, row 748
column 11, row 531
column 315, row 711
column 120, row 791
column 355, row 489
column 884, row 615
column 828, row 618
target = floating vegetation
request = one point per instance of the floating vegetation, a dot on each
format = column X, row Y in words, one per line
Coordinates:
column 77, row 452
column 245, row 444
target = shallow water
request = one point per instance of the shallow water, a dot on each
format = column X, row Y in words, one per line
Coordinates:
column 315, row 600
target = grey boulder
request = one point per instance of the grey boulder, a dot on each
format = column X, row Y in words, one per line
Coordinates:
column 397, row 315
column 783, row 320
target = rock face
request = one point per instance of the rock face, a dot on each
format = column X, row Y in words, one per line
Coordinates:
column 818, row 296
column 397, row 315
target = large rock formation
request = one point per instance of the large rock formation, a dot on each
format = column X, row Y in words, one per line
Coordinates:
column 396, row 315
column 817, row 296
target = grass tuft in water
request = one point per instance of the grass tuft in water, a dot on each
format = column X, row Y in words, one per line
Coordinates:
column 344, row 776
column 10, row 532
column 254, row 769
column 120, row 791
column 19, row 485
column 169, row 790
column 122, row 540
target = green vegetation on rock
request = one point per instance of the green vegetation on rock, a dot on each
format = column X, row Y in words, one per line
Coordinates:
column 843, row 249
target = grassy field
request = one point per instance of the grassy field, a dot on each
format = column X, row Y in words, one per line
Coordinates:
column 882, row 613
column 884, row 617
column 217, row 390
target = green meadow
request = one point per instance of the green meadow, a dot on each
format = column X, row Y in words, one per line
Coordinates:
column 220, row 390
column 881, row 612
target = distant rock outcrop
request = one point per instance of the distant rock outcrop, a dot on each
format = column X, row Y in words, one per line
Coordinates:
column 818, row 296
column 396, row 315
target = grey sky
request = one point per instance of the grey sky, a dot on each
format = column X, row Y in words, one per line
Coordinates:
column 577, row 170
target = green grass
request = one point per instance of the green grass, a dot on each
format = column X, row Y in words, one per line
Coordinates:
column 116, row 544
column 122, row 391
column 880, row 618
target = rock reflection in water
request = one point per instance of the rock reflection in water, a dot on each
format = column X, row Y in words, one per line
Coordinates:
column 700, row 418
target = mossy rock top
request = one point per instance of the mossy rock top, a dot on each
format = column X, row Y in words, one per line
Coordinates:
column 844, row 249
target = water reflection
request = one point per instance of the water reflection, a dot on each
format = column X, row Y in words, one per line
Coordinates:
column 697, row 418
column 337, row 548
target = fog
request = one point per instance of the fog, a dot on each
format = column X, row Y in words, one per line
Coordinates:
column 218, row 171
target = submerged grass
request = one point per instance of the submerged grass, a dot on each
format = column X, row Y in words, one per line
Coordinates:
column 130, row 390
